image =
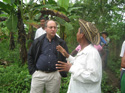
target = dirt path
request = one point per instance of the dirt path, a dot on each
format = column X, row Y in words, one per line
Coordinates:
column 113, row 80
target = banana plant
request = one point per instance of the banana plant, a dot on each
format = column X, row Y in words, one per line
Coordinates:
column 61, row 11
column 14, row 10
column 11, row 22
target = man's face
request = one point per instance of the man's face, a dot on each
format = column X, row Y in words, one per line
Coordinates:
column 51, row 29
column 42, row 22
column 104, row 35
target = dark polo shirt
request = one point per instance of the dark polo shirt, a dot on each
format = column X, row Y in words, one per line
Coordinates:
column 47, row 58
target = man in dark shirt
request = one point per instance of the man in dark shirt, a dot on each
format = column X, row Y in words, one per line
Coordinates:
column 42, row 57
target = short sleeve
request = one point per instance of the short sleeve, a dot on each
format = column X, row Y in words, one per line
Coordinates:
column 122, row 49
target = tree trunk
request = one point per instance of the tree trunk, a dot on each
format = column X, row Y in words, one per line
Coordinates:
column 62, row 30
column 22, row 38
column 12, row 43
column 30, row 36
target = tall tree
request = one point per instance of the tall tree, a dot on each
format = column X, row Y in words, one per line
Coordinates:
column 21, row 35
column 14, row 8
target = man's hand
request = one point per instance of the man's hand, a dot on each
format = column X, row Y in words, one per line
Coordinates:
column 62, row 66
column 62, row 50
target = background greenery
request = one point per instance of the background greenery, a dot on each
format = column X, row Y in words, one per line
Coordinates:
column 19, row 21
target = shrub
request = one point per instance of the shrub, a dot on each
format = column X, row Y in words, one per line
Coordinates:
column 15, row 79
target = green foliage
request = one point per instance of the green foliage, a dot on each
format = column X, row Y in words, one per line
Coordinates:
column 115, row 68
column 11, row 23
column 14, row 79
column 64, row 4
column 105, row 15
column 106, row 88
column 68, row 26
column 9, row 55
column 65, row 83
column 9, row 1
column 60, row 21
column 4, row 33
column 5, row 7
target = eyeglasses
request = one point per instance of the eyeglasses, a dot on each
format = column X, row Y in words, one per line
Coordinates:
column 51, row 27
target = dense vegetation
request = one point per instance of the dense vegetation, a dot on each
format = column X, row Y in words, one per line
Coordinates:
column 15, row 37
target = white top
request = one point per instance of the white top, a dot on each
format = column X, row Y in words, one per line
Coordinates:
column 122, row 49
column 40, row 32
column 107, row 40
column 86, row 71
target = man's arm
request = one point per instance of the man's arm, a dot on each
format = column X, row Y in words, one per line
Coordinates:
column 123, row 61
column 74, row 52
column 31, row 65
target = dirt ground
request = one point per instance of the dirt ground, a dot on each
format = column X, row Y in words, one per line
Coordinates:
column 113, row 80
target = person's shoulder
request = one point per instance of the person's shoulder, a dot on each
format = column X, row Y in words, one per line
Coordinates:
column 40, row 38
column 88, row 50
column 60, row 39
column 39, row 29
column 124, row 42
column 101, row 37
column 91, row 48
